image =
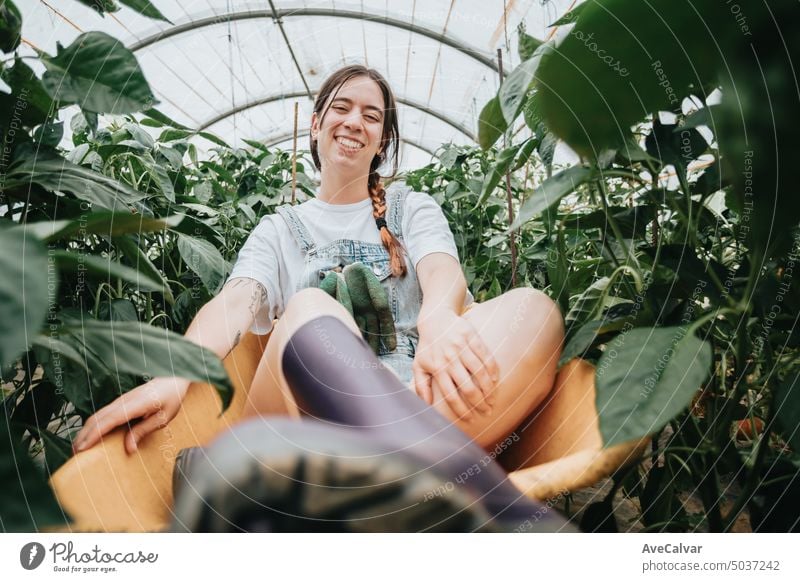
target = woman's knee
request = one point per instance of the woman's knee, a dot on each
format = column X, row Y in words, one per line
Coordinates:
column 312, row 302
column 536, row 317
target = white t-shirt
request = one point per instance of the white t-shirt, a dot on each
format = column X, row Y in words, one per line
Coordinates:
column 272, row 256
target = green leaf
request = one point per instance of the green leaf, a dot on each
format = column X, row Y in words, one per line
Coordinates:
column 622, row 61
column 173, row 156
column 41, row 403
column 143, row 264
column 587, row 304
column 645, row 378
column 221, row 171
column 78, row 155
column 491, row 123
column 787, row 408
column 448, row 156
column 496, row 173
column 141, row 349
column 162, row 119
column 580, row 342
column 101, row 6
column 55, row 173
column 27, row 90
column 204, row 260
column 256, row 145
column 145, row 8
column 27, row 286
column 10, row 26
column 193, row 226
column 201, row 209
column 570, row 16
column 101, row 223
column 756, row 129
column 79, row 125
column 527, row 43
column 631, row 151
column 49, row 133
column 29, row 504
column 585, row 337
column 57, row 450
column 674, row 144
column 174, row 134
column 214, row 139
column 203, row 191
column 118, row 310
column 525, row 152
column 516, row 86
column 106, row 269
column 558, row 271
column 140, row 135
column 547, row 150
column 533, row 118
column 163, row 180
column 86, row 384
column 98, row 73
column 551, row 191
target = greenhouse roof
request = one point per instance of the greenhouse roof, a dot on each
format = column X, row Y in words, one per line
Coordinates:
column 236, row 68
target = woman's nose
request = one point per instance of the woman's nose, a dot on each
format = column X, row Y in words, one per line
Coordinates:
column 353, row 120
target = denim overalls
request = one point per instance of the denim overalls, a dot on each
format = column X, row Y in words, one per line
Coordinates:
column 405, row 295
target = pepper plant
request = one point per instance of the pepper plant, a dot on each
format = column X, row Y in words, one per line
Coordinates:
column 676, row 242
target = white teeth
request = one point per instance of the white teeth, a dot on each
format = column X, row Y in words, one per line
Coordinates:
column 349, row 143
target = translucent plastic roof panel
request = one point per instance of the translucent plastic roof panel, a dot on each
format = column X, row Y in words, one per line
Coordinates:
column 237, row 67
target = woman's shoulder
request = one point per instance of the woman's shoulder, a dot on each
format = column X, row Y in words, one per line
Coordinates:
column 271, row 227
column 410, row 197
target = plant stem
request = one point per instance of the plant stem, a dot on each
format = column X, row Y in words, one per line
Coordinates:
column 751, row 484
column 623, row 174
column 614, row 226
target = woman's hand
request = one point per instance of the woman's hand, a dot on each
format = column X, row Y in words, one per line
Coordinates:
column 155, row 402
column 452, row 358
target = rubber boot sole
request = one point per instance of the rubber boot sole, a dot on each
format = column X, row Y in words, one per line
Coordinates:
column 282, row 475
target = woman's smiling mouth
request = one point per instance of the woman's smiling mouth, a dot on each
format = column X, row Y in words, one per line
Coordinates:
column 349, row 144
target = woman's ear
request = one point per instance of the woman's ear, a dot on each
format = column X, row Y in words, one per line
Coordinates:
column 314, row 125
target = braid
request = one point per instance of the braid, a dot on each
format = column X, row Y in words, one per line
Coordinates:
column 378, row 195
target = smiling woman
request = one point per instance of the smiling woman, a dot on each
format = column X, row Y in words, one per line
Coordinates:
column 441, row 377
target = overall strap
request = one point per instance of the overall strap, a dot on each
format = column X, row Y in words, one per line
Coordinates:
column 396, row 199
column 299, row 231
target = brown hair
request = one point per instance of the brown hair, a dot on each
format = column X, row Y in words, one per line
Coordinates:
column 389, row 143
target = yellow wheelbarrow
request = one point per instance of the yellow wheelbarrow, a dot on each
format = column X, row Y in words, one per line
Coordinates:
column 105, row 489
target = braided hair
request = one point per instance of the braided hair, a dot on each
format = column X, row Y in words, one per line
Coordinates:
column 389, row 149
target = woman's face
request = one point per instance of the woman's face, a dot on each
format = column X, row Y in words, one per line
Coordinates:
column 351, row 131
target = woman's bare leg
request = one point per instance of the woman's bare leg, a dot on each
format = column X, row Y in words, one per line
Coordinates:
column 333, row 377
column 524, row 330
column 269, row 393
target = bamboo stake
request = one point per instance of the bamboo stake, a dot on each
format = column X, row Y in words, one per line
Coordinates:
column 294, row 154
column 511, row 238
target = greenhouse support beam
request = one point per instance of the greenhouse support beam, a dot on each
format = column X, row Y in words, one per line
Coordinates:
column 276, row 18
column 477, row 54
column 287, row 136
column 297, row 94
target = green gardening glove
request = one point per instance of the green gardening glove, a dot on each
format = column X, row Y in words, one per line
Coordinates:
column 334, row 285
column 371, row 308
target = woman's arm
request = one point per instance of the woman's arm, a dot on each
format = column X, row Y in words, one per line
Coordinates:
column 218, row 326
column 221, row 323
column 443, row 286
column 451, row 360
